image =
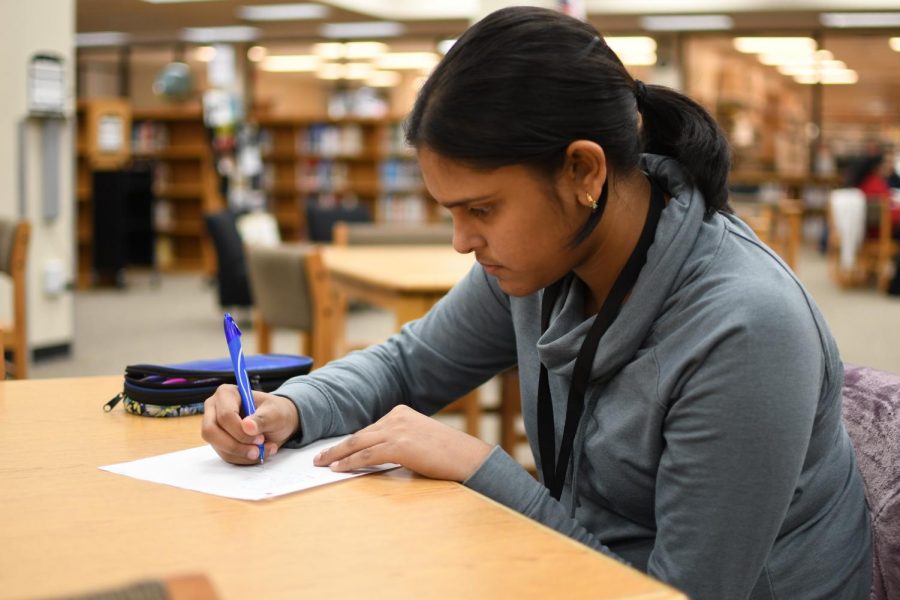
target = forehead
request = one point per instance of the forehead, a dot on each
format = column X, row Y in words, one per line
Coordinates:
column 448, row 178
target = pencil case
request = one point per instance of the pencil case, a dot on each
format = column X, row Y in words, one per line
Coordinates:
column 178, row 390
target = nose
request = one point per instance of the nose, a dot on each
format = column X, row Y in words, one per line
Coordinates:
column 465, row 238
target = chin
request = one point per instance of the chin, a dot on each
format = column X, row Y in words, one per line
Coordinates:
column 516, row 289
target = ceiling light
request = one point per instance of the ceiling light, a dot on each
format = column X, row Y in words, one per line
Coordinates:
column 845, row 77
column 775, row 45
column 206, row 35
column 895, row 44
column 871, row 19
column 407, row 60
column 687, row 23
column 177, row 1
column 257, row 53
column 290, row 63
column 383, row 79
column 365, row 29
column 283, row 12
column 444, row 46
column 101, row 38
column 824, row 66
column 349, row 50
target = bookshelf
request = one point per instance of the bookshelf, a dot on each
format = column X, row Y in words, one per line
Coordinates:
column 333, row 162
column 185, row 185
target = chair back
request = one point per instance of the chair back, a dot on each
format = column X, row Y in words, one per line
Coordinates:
column 290, row 287
column 871, row 410
column 320, row 220
column 14, row 236
column 231, row 264
column 392, row 233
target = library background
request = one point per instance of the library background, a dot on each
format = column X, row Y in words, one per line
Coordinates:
column 174, row 111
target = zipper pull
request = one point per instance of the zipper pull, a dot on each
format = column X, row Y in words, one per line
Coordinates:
column 256, row 383
column 112, row 403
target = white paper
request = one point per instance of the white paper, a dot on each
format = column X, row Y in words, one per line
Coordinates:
column 202, row 470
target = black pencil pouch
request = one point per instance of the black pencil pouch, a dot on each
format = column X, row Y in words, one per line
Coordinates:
column 178, row 390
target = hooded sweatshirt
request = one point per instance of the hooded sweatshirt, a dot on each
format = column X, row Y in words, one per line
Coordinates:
column 711, row 451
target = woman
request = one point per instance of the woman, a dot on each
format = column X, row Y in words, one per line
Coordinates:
column 680, row 391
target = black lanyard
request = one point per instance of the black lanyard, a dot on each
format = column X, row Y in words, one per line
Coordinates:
column 555, row 475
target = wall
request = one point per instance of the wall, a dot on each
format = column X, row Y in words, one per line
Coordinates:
column 28, row 28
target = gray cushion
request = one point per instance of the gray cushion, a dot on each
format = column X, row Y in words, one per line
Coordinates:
column 872, row 415
column 399, row 233
column 280, row 286
column 7, row 238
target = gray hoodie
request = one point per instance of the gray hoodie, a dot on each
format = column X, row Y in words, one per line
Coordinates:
column 715, row 458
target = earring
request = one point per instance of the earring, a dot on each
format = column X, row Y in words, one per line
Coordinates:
column 591, row 202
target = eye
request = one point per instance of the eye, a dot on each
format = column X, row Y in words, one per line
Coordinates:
column 479, row 211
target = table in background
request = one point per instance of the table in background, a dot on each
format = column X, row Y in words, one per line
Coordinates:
column 67, row 527
column 405, row 279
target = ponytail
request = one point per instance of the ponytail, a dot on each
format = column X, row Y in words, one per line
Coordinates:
column 674, row 125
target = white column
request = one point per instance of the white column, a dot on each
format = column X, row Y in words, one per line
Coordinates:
column 28, row 28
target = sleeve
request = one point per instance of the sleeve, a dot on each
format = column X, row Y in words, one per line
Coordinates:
column 735, row 440
column 465, row 339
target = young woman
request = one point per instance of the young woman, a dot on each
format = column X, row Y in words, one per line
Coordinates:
column 681, row 392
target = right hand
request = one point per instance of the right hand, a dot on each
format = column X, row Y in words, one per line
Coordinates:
column 237, row 440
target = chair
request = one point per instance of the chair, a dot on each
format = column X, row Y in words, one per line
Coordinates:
column 231, row 263
column 860, row 246
column 290, row 285
column 776, row 225
column 871, row 410
column 14, row 237
column 320, row 220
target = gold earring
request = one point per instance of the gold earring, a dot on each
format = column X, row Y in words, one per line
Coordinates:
column 591, row 202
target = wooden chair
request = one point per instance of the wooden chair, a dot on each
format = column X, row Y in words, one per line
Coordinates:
column 14, row 237
column 779, row 226
column 290, row 290
column 876, row 251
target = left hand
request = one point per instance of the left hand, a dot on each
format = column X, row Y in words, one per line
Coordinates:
column 412, row 440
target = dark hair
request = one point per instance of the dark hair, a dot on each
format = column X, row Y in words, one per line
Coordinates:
column 862, row 168
column 523, row 83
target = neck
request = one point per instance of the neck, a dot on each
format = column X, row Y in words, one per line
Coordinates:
column 610, row 245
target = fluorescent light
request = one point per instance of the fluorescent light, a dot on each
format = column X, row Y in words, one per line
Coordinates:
column 349, row 50
column 775, row 45
column 444, row 46
column 407, row 60
column 687, row 23
column 358, row 70
column 383, row 79
column 895, row 44
column 101, row 38
column 845, row 77
column 825, row 66
column 290, row 63
column 283, row 12
column 257, row 53
column 204, row 53
column 634, row 50
column 206, row 35
column 330, row 71
column 793, row 58
column 871, row 19
column 365, row 29
column 177, row 1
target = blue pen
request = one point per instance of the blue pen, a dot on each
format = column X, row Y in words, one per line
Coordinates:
column 233, row 337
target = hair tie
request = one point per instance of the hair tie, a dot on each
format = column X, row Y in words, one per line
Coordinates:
column 640, row 92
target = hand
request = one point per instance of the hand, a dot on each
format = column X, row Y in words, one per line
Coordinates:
column 412, row 440
column 237, row 440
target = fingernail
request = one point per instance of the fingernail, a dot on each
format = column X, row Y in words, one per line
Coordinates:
column 259, row 439
column 253, row 453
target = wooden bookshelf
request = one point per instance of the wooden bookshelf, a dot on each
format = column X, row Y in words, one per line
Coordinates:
column 185, row 185
column 333, row 162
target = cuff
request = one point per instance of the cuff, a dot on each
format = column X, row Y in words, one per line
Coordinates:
column 503, row 479
column 314, row 410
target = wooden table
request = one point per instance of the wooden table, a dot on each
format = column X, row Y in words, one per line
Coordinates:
column 406, row 279
column 66, row 527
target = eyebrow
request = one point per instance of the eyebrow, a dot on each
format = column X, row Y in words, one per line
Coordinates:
column 463, row 201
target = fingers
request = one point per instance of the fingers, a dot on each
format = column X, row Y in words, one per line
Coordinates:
column 367, row 457
column 360, row 447
column 222, row 428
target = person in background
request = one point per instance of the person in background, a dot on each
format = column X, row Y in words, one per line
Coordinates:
column 680, row 390
column 871, row 174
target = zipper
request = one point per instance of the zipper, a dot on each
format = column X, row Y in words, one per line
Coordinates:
column 112, row 403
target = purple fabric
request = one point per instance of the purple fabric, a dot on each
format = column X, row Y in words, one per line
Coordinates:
column 872, row 416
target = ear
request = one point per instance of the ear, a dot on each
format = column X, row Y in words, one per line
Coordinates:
column 584, row 170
